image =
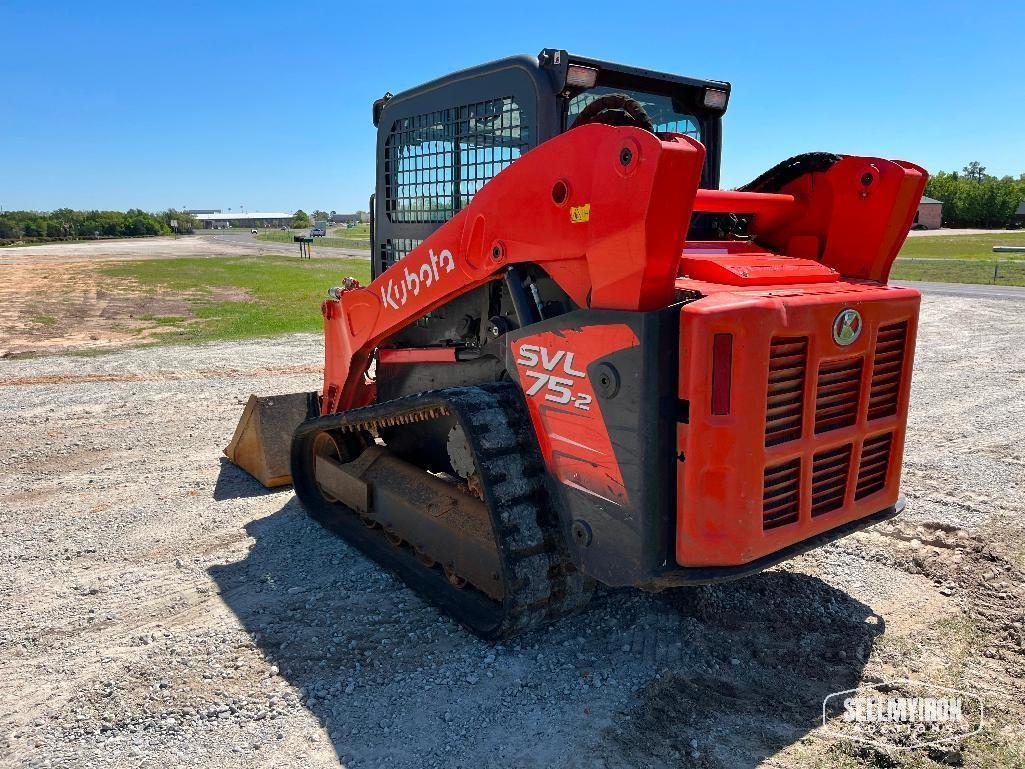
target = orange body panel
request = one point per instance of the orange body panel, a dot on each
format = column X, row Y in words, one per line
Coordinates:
column 739, row 263
column 722, row 483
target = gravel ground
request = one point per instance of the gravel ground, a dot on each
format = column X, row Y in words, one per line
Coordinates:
column 119, row 249
column 160, row 608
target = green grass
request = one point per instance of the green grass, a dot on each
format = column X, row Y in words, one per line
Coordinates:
column 358, row 237
column 164, row 320
column 961, row 246
column 1003, row 273
column 962, row 259
column 44, row 320
column 359, row 231
column 283, row 293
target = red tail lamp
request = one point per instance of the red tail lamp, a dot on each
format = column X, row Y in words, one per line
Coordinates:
column 722, row 373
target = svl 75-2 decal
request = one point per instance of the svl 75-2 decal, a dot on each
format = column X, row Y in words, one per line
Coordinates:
column 559, row 388
column 552, row 369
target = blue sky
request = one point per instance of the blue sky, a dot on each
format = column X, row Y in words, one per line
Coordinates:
column 267, row 105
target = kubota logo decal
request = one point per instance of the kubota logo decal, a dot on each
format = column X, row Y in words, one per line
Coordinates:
column 847, row 327
column 395, row 295
column 559, row 388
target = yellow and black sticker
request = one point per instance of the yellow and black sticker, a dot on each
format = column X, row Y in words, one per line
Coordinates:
column 579, row 214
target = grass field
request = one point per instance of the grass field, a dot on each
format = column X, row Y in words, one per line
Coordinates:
column 961, row 246
column 1003, row 273
column 962, row 259
column 278, row 294
column 282, row 294
column 357, row 237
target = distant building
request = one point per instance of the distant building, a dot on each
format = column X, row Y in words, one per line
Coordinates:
column 198, row 211
column 929, row 215
column 219, row 220
column 360, row 217
column 1019, row 215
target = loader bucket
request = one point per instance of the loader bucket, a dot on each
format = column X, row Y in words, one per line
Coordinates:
column 263, row 437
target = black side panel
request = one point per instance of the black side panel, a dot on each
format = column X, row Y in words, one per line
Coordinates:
column 635, row 392
column 396, row 380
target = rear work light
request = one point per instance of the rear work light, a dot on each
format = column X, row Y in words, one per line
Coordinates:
column 581, row 77
column 715, row 99
column 722, row 373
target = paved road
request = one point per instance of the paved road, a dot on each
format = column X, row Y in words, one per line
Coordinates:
column 969, row 290
column 250, row 241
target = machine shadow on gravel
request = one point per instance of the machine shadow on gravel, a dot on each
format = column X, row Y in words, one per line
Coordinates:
column 235, row 483
column 743, row 667
column 760, row 656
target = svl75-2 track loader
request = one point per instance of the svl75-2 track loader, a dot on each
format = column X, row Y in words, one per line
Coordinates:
column 580, row 361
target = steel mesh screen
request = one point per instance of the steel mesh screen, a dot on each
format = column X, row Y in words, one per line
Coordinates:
column 393, row 250
column 436, row 162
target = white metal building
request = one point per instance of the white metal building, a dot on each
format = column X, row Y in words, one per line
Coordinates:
column 259, row 219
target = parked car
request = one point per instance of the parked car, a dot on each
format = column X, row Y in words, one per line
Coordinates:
column 283, row 228
column 317, row 232
column 254, row 231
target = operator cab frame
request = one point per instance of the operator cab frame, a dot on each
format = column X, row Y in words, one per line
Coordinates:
column 438, row 143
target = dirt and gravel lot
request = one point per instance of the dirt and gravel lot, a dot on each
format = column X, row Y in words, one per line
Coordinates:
column 53, row 298
column 58, row 297
column 157, row 607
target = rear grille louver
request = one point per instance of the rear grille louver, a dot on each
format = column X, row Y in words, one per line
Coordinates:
column 875, row 461
column 829, row 479
column 887, row 370
column 784, row 407
column 781, row 497
column 814, row 399
column 836, row 394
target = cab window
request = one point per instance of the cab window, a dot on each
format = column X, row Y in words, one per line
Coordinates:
column 665, row 117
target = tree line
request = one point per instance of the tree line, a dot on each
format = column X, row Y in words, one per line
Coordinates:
column 66, row 224
column 973, row 198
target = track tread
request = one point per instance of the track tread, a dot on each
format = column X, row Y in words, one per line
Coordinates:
column 541, row 583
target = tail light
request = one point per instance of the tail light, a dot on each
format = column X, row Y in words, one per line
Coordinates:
column 579, row 76
column 722, row 373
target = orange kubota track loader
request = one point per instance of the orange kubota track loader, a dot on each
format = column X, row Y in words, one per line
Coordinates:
column 578, row 361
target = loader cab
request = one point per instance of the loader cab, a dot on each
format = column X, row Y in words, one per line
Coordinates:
column 440, row 142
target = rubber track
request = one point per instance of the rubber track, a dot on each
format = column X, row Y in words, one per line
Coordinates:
column 541, row 584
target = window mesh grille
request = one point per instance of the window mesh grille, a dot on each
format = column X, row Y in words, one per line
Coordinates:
column 393, row 250
column 436, row 162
